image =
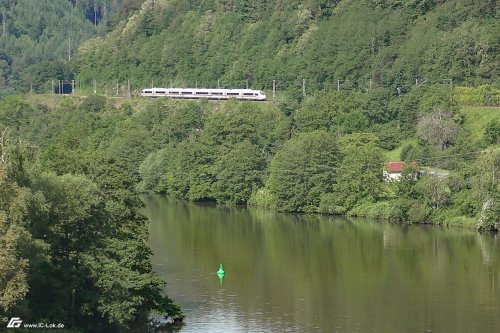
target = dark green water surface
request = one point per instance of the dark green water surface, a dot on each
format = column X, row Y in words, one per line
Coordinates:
column 288, row 273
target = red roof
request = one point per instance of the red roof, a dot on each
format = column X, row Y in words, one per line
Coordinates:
column 397, row 166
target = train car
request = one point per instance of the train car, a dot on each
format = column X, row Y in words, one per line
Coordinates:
column 213, row 94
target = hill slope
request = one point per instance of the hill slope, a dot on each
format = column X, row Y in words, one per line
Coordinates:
column 38, row 38
column 239, row 42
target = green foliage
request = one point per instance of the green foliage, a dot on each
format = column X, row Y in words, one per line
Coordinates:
column 94, row 103
column 13, row 266
column 486, row 186
column 433, row 189
column 383, row 210
column 418, row 213
column 476, row 119
column 492, row 132
column 238, row 172
column 389, row 134
column 261, row 198
column 390, row 42
column 406, row 186
column 463, row 53
column 154, row 169
column 409, row 152
column 303, row 170
column 70, row 202
column 219, row 155
column 359, row 176
column 14, row 112
column 37, row 38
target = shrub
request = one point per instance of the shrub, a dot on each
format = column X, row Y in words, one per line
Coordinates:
column 261, row 198
column 94, row 103
column 418, row 213
column 383, row 210
column 492, row 132
column 330, row 204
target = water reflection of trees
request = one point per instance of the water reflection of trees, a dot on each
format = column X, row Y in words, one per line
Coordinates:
column 315, row 267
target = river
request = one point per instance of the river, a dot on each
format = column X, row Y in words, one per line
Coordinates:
column 292, row 273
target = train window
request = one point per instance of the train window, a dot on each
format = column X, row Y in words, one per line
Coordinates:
column 247, row 94
column 160, row 92
column 148, row 91
column 202, row 93
column 216, row 93
column 173, row 92
column 187, row 93
column 233, row 94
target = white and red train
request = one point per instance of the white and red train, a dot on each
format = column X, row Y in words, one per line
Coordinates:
column 214, row 94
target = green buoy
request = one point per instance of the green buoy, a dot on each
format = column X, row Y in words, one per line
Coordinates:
column 221, row 273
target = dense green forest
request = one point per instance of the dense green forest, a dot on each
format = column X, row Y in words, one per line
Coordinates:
column 327, row 156
column 39, row 39
column 361, row 83
column 73, row 240
column 234, row 43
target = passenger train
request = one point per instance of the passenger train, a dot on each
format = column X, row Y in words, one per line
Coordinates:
column 214, row 94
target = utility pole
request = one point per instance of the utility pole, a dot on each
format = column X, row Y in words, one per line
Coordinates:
column 451, row 90
column 128, row 87
column 95, row 87
column 274, row 90
column 69, row 48
column 72, row 87
column 304, row 87
column 52, row 85
column 4, row 23
column 95, row 12
column 370, row 84
column 338, row 85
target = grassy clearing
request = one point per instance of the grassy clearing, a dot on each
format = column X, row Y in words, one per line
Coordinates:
column 393, row 155
column 476, row 119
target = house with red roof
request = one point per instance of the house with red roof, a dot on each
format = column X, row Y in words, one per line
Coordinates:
column 393, row 170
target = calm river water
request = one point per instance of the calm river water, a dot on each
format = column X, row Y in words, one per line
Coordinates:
column 288, row 273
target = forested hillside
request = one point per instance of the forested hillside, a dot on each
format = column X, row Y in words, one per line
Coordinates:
column 238, row 42
column 39, row 39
